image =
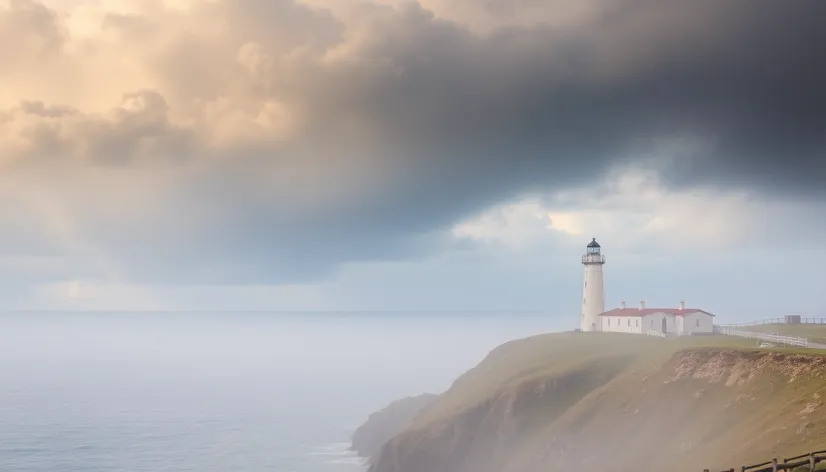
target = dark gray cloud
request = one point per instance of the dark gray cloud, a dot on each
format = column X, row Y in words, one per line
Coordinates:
column 474, row 120
column 530, row 106
column 450, row 121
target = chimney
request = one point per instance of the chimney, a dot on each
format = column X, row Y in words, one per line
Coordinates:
column 682, row 305
column 622, row 303
column 642, row 304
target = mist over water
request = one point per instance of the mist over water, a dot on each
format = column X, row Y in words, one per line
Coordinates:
column 219, row 392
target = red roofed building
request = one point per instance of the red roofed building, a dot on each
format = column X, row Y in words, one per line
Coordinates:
column 670, row 321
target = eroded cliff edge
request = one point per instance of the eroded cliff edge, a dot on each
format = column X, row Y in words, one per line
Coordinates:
column 386, row 423
column 617, row 402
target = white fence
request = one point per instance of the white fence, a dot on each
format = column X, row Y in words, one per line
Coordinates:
column 777, row 321
column 771, row 338
column 655, row 333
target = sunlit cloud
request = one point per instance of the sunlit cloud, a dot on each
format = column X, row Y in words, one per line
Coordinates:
column 195, row 143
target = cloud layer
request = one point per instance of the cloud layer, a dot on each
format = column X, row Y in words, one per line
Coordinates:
column 260, row 141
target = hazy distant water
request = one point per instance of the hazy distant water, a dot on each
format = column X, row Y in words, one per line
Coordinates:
column 220, row 392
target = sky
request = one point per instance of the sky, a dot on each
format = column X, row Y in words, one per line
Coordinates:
column 412, row 155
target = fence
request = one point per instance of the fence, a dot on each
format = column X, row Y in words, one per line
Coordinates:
column 809, row 460
column 655, row 333
column 775, row 321
column 771, row 338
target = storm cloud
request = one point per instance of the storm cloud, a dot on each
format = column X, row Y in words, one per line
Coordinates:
column 253, row 141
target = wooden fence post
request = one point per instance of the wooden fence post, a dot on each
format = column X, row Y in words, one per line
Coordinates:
column 774, row 465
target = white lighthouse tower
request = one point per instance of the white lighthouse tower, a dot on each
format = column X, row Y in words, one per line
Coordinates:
column 593, row 295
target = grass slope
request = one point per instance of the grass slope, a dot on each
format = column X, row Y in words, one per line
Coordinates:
column 610, row 401
column 386, row 423
column 517, row 362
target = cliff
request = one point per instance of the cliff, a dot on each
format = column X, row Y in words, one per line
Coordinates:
column 386, row 423
column 618, row 402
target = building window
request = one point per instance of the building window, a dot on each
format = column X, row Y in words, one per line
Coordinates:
column 609, row 321
column 652, row 323
column 629, row 321
column 583, row 301
column 637, row 324
column 697, row 322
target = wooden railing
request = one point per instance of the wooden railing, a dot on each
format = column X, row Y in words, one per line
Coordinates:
column 809, row 460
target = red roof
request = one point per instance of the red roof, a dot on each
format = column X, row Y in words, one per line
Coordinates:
column 651, row 311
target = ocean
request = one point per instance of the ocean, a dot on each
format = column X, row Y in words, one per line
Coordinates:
column 209, row 392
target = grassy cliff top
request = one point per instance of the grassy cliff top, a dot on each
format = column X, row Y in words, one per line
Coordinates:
column 569, row 401
column 524, row 360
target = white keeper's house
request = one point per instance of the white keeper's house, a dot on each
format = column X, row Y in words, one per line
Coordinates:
column 676, row 321
column 668, row 321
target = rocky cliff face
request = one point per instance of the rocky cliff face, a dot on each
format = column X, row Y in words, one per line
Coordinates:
column 645, row 407
column 383, row 425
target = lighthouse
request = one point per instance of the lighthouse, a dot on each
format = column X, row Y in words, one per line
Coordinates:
column 593, row 295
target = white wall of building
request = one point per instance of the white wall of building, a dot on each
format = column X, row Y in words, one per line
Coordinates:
column 654, row 322
column 693, row 323
column 622, row 324
column 697, row 322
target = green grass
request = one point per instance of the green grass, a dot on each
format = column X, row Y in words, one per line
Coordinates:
column 815, row 333
column 819, row 467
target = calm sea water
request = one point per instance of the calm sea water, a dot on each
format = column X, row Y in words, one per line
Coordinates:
column 220, row 392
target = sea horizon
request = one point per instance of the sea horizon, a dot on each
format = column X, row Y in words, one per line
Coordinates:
column 92, row 392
